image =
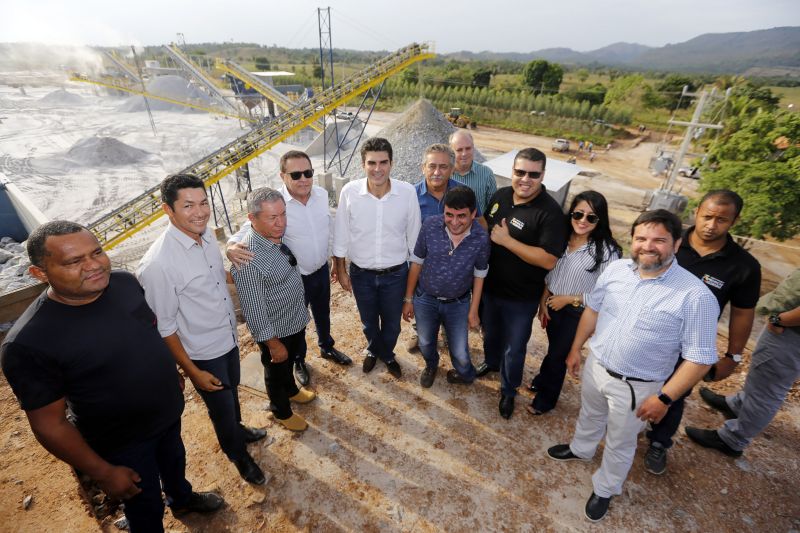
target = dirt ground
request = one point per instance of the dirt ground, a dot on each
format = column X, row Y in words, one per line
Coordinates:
column 386, row 455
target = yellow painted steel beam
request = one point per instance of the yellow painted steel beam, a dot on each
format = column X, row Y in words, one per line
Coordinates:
column 116, row 85
column 130, row 218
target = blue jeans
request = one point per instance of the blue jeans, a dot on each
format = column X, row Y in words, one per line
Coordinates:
column 317, row 286
column 379, row 298
column 223, row 405
column 159, row 461
column 506, row 330
column 431, row 312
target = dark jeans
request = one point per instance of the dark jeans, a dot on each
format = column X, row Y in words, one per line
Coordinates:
column 430, row 313
column 379, row 298
column 560, row 333
column 318, row 295
column 159, row 461
column 223, row 405
column 278, row 376
column 506, row 330
column 663, row 431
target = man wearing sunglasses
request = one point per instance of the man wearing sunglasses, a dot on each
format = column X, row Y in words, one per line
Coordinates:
column 308, row 229
column 185, row 284
column 526, row 226
column 271, row 293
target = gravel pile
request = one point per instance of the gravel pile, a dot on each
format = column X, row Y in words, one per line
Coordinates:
column 13, row 266
column 417, row 128
column 62, row 97
column 174, row 87
column 104, row 152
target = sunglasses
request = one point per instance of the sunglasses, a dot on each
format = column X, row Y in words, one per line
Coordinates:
column 591, row 218
column 309, row 173
column 288, row 253
column 534, row 175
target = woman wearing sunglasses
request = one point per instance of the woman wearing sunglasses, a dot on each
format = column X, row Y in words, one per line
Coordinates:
column 590, row 249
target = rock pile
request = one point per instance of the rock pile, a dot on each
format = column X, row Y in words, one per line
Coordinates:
column 417, row 128
column 169, row 86
column 13, row 266
column 62, row 97
column 104, row 152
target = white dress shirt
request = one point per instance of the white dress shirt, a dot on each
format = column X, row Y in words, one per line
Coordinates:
column 308, row 229
column 185, row 286
column 376, row 233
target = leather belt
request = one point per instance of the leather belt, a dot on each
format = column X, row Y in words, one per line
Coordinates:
column 380, row 271
column 627, row 379
column 451, row 300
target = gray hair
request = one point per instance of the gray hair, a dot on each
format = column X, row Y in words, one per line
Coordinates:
column 260, row 196
column 466, row 134
column 440, row 148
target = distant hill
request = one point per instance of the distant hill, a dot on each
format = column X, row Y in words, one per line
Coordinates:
column 711, row 52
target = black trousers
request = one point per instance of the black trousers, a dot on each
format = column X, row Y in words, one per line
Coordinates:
column 278, row 377
column 666, row 429
column 560, row 334
column 317, row 288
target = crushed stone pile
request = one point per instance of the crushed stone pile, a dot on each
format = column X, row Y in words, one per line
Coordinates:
column 13, row 266
column 104, row 152
column 62, row 97
column 170, row 86
column 420, row 126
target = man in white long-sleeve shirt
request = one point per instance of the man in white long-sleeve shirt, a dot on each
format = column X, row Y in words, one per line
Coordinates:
column 376, row 227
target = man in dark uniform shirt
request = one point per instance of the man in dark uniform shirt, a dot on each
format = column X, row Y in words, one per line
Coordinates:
column 90, row 343
column 732, row 275
column 526, row 226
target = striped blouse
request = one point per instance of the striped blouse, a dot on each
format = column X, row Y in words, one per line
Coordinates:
column 570, row 274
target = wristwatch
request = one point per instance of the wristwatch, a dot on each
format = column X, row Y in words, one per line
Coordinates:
column 775, row 320
column 577, row 302
column 737, row 357
column 666, row 400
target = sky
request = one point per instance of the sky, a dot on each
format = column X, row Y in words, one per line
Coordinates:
column 475, row 25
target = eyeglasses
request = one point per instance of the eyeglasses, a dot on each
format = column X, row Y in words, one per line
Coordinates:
column 534, row 175
column 289, row 255
column 591, row 218
column 308, row 173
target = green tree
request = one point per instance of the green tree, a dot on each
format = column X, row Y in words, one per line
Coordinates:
column 582, row 74
column 542, row 76
column 482, row 77
column 262, row 63
column 671, row 89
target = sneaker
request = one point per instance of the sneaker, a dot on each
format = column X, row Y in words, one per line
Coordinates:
column 427, row 377
column 483, row 369
column 655, row 460
column 596, row 507
column 200, row 502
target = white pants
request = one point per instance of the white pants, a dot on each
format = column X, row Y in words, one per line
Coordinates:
column 606, row 409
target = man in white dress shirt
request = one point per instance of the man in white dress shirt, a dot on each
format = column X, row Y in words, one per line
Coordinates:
column 185, row 284
column 376, row 227
column 308, row 230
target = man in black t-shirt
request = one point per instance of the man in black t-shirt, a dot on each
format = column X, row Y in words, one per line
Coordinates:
column 90, row 343
column 733, row 275
column 527, row 230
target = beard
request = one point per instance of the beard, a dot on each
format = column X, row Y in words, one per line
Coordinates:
column 658, row 263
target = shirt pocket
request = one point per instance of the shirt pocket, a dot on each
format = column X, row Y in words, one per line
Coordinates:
column 658, row 326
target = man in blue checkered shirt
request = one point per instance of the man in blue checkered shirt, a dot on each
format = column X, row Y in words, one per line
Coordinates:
column 644, row 312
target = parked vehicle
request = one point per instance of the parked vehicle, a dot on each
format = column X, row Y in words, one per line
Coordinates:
column 689, row 172
column 560, row 145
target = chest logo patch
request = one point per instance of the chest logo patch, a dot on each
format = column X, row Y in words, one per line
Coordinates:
column 517, row 223
column 712, row 281
column 495, row 207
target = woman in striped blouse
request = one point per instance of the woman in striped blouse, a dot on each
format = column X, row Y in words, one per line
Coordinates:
column 590, row 249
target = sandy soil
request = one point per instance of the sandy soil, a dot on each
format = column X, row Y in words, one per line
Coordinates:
column 383, row 455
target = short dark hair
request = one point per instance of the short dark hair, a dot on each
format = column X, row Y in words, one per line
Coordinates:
column 174, row 183
column 724, row 197
column 532, row 154
column 376, row 144
column 293, row 154
column 670, row 221
column 460, row 198
column 36, row 240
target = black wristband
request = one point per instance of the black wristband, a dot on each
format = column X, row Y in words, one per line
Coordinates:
column 666, row 400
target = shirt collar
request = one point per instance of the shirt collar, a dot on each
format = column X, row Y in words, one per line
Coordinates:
column 663, row 276
column 363, row 191
column 258, row 239
column 727, row 249
column 184, row 240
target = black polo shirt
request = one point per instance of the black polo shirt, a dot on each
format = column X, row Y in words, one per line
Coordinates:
column 731, row 274
column 539, row 222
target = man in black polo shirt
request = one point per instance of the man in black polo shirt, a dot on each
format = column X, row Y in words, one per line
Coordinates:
column 527, row 231
column 732, row 275
column 90, row 343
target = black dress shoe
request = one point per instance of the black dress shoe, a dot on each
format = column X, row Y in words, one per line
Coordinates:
column 394, row 369
column 427, row 377
column 597, row 507
column 532, row 387
column 301, row 373
column 455, row 377
column 253, row 434
column 200, row 502
column 336, row 356
column 709, row 438
column 249, row 470
column 562, row 452
column 483, row 369
column 369, row 363
column 717, row 401
column 506, row 406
